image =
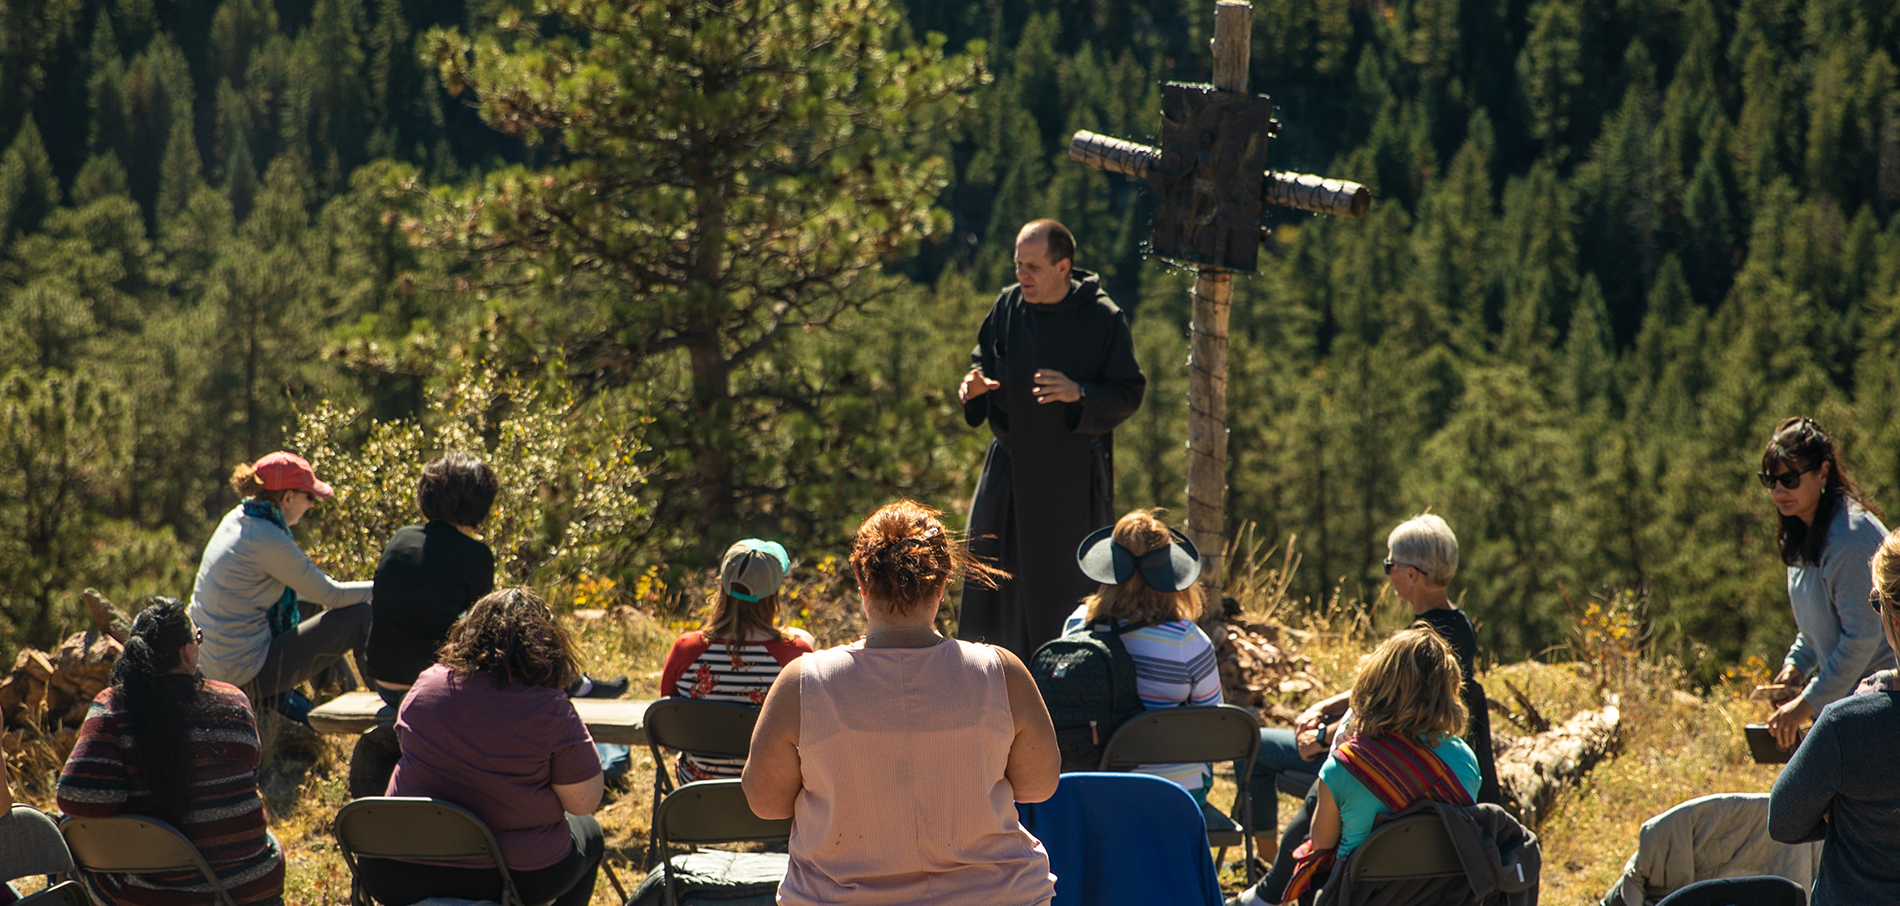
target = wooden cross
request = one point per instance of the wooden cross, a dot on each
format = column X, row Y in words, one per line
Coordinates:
column 1210, row 182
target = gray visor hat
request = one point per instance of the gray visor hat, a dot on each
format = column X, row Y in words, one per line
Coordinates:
column 1173, row 567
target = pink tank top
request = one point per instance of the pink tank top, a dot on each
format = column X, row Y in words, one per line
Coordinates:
column 904, row 800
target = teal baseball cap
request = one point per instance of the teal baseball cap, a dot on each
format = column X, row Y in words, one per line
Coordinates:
column 752, row 569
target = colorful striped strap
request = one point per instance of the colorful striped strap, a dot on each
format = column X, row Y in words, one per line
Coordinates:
column 1400, row 771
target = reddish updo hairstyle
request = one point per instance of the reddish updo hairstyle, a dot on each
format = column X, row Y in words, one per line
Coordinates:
column 902, row 556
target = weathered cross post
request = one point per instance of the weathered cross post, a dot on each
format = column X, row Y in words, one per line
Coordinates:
column 1210, row 184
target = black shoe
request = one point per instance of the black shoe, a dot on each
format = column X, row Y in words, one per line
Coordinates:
column 604, row 688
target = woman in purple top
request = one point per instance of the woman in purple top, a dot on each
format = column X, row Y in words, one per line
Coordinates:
column 490, row 728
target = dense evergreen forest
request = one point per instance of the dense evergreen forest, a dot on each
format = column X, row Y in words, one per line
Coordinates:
column 749, row 243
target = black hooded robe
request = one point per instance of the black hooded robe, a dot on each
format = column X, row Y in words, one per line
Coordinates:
column 1049, row 478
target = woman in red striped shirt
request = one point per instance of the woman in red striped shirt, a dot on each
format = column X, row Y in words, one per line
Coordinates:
column 740, row 650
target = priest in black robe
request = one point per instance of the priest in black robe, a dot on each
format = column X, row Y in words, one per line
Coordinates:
column 1053, row 372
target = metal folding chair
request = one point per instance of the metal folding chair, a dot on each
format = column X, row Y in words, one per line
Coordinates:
column 1412, row 848
column 710, row 812
column 414, row 828
column 30, row 844
column 1213, row 733
column 136, row 844
column 694, row 727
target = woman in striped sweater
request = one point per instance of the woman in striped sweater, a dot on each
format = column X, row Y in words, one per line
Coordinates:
column 741, row 650
column 166, row 743
column 1174, row 659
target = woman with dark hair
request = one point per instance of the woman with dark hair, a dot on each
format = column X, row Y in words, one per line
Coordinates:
column 1827, row 537
column 900, row 757
column 430, row 573
column 490, row 728
column 162, row 741
column 252, row 577
column 740, row 650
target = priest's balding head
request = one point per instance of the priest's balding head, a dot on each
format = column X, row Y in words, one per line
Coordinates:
column 1045, row 254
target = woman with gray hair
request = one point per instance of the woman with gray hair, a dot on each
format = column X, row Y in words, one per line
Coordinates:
column 1420, row 560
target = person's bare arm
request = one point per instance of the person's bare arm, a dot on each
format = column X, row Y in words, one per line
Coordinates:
column 1323, row 710
column 1035, row 764
column 1326, row 826
column 773, row 774
column 581, row 798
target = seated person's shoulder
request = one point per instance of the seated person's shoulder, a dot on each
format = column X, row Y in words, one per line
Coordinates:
column 1879, row 709
column 223, row 689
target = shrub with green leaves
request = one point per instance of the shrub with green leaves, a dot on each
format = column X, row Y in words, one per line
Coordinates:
column 571, row 491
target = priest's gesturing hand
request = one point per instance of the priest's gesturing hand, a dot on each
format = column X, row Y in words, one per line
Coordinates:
column 975, row 385
column 1055, row 387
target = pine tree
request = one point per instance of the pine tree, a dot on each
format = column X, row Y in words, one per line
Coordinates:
column 28, row 189
column 736, row 172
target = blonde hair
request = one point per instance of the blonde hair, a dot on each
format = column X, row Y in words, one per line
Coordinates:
column 1886, row 567
column 1408, row 687
column 1135, row 600
column 903, row 556
column 245, row 482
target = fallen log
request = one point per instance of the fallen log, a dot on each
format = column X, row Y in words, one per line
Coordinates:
column 1535, row 770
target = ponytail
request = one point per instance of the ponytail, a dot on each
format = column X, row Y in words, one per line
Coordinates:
column 159, row 706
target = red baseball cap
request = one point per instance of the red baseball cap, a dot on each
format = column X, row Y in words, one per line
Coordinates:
column 281, row 471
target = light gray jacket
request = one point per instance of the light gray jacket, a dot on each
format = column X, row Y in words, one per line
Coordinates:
column 1719, row 836
column 247, row 564
column 1840, row 639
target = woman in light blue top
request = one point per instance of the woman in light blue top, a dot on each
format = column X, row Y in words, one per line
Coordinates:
column 251, row 578
column 1827, row 537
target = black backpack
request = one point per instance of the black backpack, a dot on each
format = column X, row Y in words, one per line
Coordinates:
column 1087, row 679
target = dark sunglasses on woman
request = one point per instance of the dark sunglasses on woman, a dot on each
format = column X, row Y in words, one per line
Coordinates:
column 1790, row 479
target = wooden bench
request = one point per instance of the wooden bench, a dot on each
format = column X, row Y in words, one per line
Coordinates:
column 609, row 719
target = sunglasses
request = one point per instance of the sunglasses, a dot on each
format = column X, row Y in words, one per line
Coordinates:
column 1790, row 479
column 1390, row 564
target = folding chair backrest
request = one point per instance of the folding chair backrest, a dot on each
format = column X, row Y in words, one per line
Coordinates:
column 1216, row 733
column 415, row 828
column 134, row 844
column 30, row 844
column 1408, row 848
column 714, row 811
column 712, row 729
column 1174, row 735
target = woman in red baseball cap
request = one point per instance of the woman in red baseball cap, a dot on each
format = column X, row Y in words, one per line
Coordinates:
column 252, row 577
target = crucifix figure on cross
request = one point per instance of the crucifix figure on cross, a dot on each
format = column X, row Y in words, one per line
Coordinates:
column 1211, row 182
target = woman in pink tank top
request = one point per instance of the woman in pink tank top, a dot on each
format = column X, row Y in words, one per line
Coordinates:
column 900, row 757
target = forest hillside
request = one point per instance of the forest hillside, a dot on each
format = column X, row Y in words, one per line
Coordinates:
column 727, row 257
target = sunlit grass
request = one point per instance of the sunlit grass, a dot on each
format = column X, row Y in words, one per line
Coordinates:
column 1676, row 745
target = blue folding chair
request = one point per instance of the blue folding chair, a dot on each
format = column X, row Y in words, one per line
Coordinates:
column 1124, row 839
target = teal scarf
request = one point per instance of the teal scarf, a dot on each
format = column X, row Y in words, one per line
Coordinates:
column 283, row 615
